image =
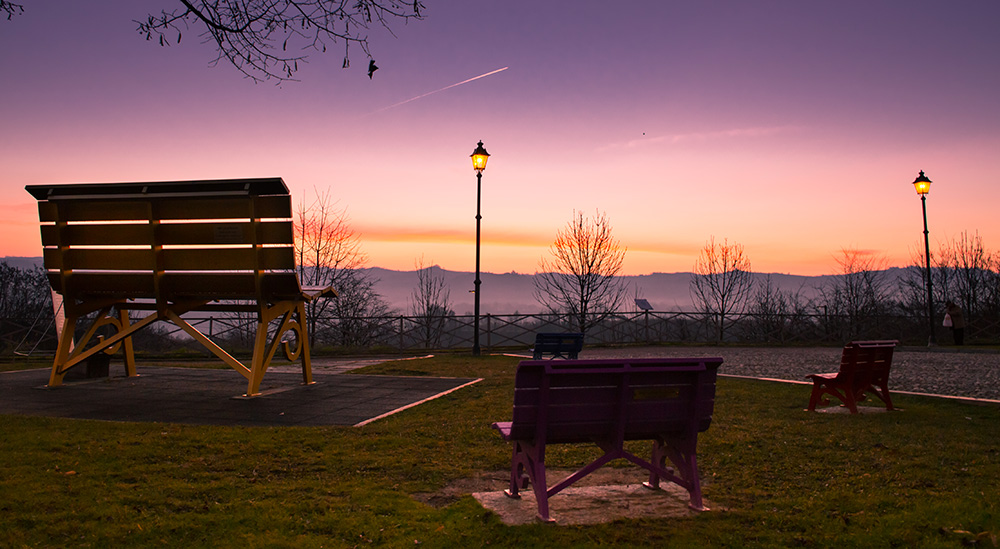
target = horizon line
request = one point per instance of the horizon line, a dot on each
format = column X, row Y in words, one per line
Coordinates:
column 38, row 260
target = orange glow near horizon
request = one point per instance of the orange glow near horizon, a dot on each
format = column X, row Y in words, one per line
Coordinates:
column 506, row 250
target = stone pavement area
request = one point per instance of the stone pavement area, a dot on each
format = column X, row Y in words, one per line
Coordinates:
column 950, row 371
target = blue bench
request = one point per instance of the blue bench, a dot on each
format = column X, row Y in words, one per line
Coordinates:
column 608, row 402
column 566, row 345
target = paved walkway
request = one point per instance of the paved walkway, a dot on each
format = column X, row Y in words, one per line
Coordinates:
column 201, row 396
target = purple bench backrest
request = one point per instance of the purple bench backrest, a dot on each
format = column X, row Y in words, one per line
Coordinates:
column 583, row 400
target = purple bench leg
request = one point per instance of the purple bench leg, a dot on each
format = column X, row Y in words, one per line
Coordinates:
column 530, row 459
column 682, row 453
column 518, row 478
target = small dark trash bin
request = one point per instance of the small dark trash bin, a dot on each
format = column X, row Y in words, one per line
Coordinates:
column 98, row 365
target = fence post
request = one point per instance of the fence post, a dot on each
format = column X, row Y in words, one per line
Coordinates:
column 489, row 333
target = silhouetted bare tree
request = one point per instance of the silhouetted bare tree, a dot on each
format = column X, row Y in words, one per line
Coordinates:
column 912, row 289
column 721, row 281
column 861, row 292
column 971, row 265
column 964, row 271
column 328, row 253
column 775, row 312
column 992, row 298
column 430, row 303
column 25, row 305
column 582, row 278
column 23, row 292
column 357, row 310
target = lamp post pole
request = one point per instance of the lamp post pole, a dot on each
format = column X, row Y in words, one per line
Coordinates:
column 479, row 192
column 923, row 186
column 479, row 158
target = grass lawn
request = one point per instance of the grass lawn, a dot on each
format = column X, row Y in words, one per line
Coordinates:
column 776, row 475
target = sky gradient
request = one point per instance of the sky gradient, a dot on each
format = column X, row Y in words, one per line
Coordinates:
column 793, row 128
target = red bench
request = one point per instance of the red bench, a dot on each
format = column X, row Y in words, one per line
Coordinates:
column 608, row 402
column 864, row 367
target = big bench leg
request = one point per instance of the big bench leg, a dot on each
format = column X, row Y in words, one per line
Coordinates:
column 69, row 352
column 292, row 318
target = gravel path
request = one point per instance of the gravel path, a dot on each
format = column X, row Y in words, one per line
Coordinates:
column 938, row 371
column 966, row 373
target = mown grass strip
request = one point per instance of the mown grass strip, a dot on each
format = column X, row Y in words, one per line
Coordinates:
column 779, row 476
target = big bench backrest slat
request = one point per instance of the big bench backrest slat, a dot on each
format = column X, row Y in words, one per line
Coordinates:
column 185, row 259
column 168, row 234
column 221, row 239
column 642, row 398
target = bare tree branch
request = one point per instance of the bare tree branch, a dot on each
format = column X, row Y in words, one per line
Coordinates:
column 255, row 35
column 11, row 9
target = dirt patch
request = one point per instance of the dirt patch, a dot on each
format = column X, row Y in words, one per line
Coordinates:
column 861, row 410
column 605, row 495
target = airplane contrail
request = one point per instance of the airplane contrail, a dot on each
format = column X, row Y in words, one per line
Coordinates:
column 439, row 90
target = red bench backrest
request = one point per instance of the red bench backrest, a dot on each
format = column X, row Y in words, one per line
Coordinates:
column 866, row 361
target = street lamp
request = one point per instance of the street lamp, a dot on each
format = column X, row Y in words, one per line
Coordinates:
column 479, row 158
column 923, row 186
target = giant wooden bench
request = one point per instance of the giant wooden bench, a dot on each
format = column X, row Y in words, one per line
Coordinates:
column 608, row 402
column 864, row 367
column 170, row 248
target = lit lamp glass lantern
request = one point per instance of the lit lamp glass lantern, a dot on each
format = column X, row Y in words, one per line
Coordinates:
column 480, row 156
column 922, row 184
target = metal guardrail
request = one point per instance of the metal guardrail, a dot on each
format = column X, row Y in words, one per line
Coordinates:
column 509, row 331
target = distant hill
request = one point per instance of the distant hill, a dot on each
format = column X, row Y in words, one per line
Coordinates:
column 514, row 293
column 510, row 293
column 23, row 262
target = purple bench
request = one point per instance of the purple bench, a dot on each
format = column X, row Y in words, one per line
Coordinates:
column 864, row 367
column 608, row 402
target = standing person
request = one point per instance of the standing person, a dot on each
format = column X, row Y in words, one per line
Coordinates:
column 957, row 322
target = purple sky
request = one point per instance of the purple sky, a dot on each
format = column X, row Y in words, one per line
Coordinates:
column 793, row 128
